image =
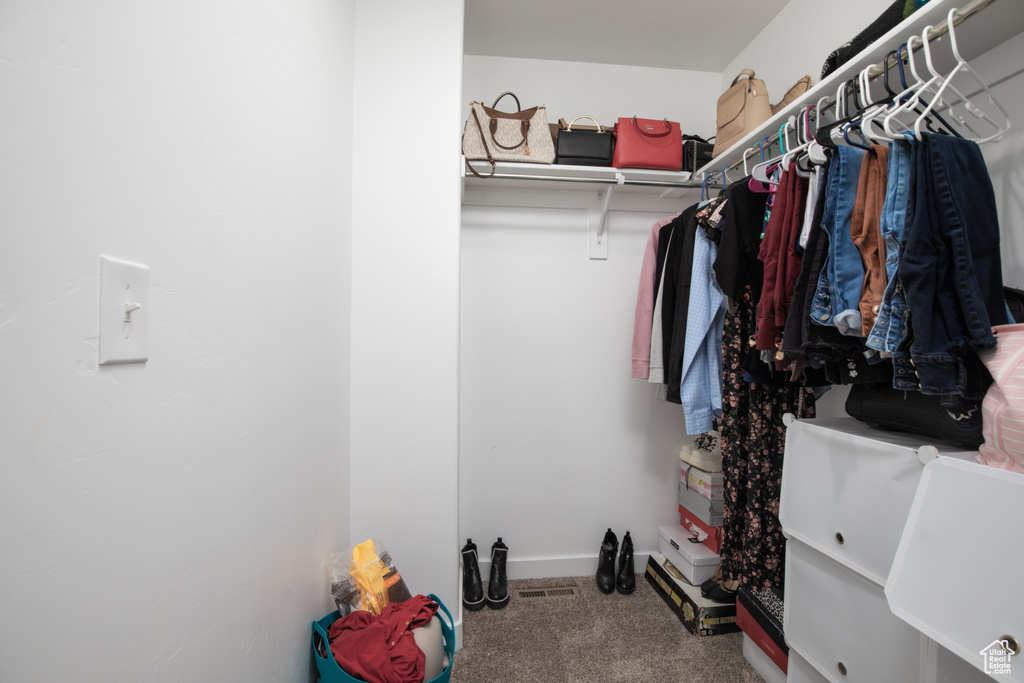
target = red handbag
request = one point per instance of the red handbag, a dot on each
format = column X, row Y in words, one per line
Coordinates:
column 648, row 143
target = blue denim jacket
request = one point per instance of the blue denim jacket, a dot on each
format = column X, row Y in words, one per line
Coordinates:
column 891, row 323
column 839, row 285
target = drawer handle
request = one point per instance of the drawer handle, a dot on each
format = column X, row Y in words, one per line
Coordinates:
column 842, row 668
column 1012, row 644
column 839, row 538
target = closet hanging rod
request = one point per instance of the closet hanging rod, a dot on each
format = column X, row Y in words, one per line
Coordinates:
column 873, row 71
column 600, row 181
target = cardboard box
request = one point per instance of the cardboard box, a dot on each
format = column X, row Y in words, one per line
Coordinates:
column 708, row 511
column 693, row 559
column 759, row 615
column 711, row 536
column 707, row 484
column 699, row 615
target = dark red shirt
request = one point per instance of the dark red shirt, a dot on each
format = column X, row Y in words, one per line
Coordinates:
column 382, row 649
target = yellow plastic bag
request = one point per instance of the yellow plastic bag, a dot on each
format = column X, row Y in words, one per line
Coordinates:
column 365, row 578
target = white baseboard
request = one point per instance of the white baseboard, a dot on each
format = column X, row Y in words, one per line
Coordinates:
column 550, row 567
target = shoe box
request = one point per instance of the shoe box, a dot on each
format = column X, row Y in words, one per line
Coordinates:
column 709, row 535
column 699, row 615
column 759, row 615
column 707, row 511
column 694, row 560
column 707, row 484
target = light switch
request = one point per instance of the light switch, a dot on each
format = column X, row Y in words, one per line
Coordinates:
column 124, row 312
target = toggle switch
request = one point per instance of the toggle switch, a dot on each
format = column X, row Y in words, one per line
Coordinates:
column 124, row 312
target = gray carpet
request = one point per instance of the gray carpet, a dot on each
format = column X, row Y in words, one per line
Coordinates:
column 594, row 638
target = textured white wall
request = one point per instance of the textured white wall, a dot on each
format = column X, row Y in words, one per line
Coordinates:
column 169, row 521
column 405, row 287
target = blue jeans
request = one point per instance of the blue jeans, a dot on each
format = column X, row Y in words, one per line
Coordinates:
column 837, row 297
column 950, row 267
column 891, row 323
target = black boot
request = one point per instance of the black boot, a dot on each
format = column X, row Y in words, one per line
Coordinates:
column 472, row 587
column 625, row 580
column 497, row 586
column 606, row 562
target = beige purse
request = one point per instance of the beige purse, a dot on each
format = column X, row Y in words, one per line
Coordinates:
column 741, row 109
column 496, row 135
column 798, row 89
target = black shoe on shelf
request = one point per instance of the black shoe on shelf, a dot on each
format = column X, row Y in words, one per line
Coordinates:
column 497, row 586
column 625, row 579
column 472, row 587
column 606, row 562
column 724, row 592
column 715, row 580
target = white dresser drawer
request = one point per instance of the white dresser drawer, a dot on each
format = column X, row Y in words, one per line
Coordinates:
column 801, row 671
column 955, row 573
column 847, row 489
column 840, row 622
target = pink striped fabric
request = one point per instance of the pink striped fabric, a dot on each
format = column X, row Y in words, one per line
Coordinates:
column 1003, row 408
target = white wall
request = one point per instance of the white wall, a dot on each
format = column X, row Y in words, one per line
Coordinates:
column 1004, row 157
column 558, row 441
column 169, row 521
column 604, row 91
column 405, row 287
column 799, row 39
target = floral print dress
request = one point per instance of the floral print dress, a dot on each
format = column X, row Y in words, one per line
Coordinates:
column 753, row 443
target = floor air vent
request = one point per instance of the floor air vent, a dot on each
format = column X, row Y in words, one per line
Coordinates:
column 555, row 592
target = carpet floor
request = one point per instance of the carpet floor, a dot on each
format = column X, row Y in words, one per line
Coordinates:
column 594, row 638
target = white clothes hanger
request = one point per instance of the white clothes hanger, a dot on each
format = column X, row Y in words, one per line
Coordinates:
column 815, row 152
column 867, row 128
column 746, row 152
column 906, row 100
column 760, row 171
column 963, row 67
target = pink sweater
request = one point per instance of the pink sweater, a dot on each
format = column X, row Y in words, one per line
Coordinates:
column 643, row 319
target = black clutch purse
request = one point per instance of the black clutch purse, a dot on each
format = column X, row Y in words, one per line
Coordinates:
column 584, row 147
column 697, row 152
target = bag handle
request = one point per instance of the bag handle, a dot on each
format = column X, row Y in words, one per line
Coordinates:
column 524, row 127
column 668, row 129
column 749, row 73
column 600, row 129
column 483, row 139
column 519, row 107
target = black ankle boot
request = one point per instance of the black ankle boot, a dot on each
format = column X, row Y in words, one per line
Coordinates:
column 472, row 587
column 625, row 580
column 497, row 586
column 606, row 562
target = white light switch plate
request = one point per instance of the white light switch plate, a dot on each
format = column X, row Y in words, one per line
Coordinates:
column 124, row 312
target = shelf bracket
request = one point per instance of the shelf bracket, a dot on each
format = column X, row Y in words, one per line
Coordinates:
column 598, row 220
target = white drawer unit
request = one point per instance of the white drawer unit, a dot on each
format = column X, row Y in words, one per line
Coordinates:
column 840, row 622
column 800, row 671
column 847, row 489
column 955, row 576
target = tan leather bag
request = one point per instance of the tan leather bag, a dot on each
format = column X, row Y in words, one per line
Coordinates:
column 798, row 89
column 741, row 109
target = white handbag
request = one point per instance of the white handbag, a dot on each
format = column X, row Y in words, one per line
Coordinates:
column 495, row 135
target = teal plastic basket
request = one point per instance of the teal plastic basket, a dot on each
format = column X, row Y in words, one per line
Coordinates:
column 328, row 670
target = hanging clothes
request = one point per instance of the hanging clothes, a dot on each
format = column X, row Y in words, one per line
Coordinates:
column 678, row 271
column 643, row 319
column 951, row 268
column 753, row 441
